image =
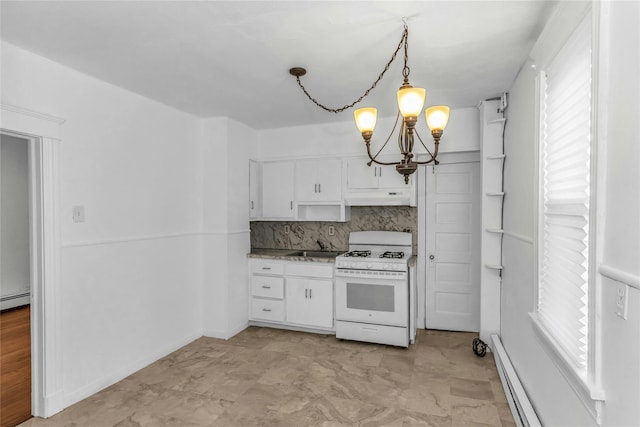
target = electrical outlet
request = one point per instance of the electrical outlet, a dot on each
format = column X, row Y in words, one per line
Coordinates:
column 287, row 229
column 621, row 300
column 332, row 230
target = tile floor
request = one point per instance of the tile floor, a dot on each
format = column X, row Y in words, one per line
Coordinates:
column 270, row 377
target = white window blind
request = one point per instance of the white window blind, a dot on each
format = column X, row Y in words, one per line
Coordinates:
column 563, row 305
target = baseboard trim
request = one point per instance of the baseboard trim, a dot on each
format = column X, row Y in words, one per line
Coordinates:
column 225, row 335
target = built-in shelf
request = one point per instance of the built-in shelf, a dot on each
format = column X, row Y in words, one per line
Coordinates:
column 499, row 194
column 494, row 230
column 493, row 266
column 500, row 120
column 498, row 157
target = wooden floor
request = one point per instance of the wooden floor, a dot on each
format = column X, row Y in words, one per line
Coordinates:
column 15, row 366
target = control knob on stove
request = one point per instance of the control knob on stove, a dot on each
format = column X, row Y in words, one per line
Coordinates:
column 385, row 266
column 369, row 265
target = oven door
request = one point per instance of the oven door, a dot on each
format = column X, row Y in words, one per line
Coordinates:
column 372, row 297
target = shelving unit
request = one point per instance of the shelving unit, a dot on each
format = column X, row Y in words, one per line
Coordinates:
column 492, row 160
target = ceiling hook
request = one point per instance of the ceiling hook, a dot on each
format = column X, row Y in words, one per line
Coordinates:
column 405, row 20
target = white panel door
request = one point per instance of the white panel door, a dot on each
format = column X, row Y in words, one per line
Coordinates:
column 453, row 247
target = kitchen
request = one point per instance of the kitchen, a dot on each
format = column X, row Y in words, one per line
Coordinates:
column 169, row 231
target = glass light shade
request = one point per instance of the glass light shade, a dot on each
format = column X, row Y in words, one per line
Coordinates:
column 411, row 100
column 437, row 117
column 366, row 118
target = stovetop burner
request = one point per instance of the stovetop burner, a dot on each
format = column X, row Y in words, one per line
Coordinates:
column 390, row 254
column 358, row 254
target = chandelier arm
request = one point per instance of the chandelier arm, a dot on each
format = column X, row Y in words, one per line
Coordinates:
column 388, row 138
column 374, row 160
column 405, row 35
column 434, row 156
column 423, row 144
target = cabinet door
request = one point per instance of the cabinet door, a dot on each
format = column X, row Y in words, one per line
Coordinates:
column 255, row 202
column 329, row 174
column 388, row 177
column 277, row 190
column 306, row 181
column 359, row 175
column 309, row 302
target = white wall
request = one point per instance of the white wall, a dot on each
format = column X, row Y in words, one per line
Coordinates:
column 621, row 240
column 554, row 400
column 130, row 274
column 227, row 146
column 343, row 138
column 14, row 214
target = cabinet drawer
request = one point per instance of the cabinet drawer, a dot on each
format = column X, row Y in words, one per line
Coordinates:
column 267, row 267
column 310, row 269
column 267, row 286
column 267, row 309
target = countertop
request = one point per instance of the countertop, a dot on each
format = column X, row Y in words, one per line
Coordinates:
column 290, row 255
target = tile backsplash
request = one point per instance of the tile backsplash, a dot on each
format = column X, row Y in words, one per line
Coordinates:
column 304, row 235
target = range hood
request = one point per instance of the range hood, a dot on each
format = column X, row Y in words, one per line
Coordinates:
column 381, row 197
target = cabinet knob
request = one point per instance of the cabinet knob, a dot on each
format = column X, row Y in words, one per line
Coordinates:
column 432, row 257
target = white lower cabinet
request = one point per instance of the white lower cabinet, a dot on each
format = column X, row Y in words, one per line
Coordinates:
column 292, row 293
column 310, row 302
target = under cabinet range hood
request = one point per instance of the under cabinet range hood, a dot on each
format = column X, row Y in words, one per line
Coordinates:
column 381, row 197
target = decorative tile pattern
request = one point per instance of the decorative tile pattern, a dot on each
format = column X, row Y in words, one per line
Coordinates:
column 304, row 235
column 270, row 377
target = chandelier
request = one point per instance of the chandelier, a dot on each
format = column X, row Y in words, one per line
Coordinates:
column 410, row 103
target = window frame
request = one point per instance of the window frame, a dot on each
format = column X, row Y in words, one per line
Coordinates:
column 587, row 387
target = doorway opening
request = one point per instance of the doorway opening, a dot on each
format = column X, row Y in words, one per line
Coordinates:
column 15, row 281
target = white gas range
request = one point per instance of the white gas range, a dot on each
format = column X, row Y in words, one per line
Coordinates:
column 375, row 296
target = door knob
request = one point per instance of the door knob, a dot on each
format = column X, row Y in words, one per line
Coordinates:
column 432, row 257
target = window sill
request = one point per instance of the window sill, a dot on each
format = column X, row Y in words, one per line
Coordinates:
column 591, row 395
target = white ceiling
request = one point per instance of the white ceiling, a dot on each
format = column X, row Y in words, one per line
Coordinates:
column 231, row 58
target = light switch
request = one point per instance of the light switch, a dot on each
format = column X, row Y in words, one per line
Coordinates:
column 78, row 213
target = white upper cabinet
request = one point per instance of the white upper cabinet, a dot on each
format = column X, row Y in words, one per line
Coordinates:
column 319, row 180
column 361, row 176
column 277, row 190
column 255, row 190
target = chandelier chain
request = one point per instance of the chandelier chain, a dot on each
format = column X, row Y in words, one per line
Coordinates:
column 403, row 42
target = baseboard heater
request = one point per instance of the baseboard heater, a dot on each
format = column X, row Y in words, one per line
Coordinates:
column 14, row 300
column 521, row 408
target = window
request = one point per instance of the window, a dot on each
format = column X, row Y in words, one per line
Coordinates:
column 563, row 294
column 564, row 314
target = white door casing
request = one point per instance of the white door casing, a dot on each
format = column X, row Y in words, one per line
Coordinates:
column 42, row 131
column 453, row 247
